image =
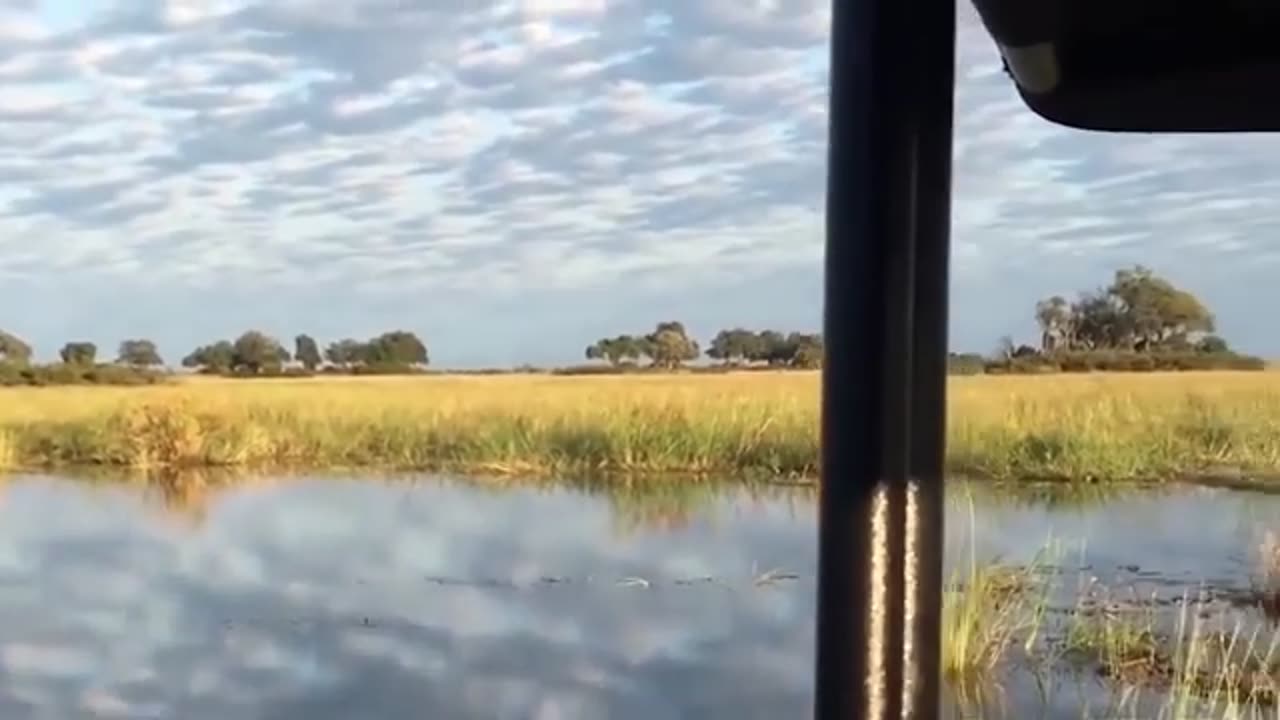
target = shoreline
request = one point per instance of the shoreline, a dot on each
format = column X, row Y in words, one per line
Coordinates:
column 1226, row 477
column 569, row 477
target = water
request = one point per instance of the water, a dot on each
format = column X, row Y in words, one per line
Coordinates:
column 362, row 599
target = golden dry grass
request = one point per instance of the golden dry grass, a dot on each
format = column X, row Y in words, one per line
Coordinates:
column 1074, row 426
column 1115, row 425
column 520, row 424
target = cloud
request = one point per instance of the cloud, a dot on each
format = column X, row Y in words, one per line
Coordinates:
column 549, row 148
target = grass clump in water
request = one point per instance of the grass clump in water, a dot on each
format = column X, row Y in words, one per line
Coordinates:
column 993, row 608
column 1207, row 665
column 987, row 609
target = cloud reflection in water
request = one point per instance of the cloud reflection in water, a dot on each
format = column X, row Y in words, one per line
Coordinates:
column 316, row 600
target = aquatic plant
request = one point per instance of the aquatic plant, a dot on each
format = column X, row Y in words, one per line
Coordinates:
column 1211, row 664
column 984, row 615
column 987, row 608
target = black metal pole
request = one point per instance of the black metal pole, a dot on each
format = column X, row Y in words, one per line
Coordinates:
column 925, row 501
column 885, row 334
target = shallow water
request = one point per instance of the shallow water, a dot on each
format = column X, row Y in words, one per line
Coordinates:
column 353, row 598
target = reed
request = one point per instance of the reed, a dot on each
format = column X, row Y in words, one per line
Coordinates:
column 1109, row 426
column 1103, row 426
column 987, row 609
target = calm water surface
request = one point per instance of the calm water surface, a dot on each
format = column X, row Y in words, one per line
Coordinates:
column 348, row 598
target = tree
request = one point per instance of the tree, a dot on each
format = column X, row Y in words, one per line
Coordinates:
column 1212, row 344
column 345, row 353
column 809, row 356
column 139, row 353
column 1156, row 310
column 218, row 357
column 306, row 351
column 1138, row 311
column 791, row 350
column 1004, row 348
column 616, row 350
column 1099, row 323
column 1057, row 329
column 79, row 353
column 736, row 344
column 795, row 349
column 254, row 351
column 750, row 345
column 770, row 347
column 13, row 349
column 398, row 347
column 669, row 345
column 804, row 350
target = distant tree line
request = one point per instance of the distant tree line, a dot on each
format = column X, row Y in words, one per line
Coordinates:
column 768, row 347
column 669, row 347
column 1139, row 322
column 256, row 353
column 135, row 364
column 252, row 354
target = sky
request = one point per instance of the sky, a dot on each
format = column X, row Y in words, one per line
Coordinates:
column 512, row 180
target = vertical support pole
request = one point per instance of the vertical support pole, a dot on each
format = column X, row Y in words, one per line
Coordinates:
column 885, row 327
column 865, row 379
column 925, row 493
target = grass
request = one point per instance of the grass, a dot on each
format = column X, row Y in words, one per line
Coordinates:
column 1207, row 665
column 1119, row 635
column 986, row 611
column 1105, row 426
column 1181, row 659
column 1196, row 662
column 525, row 425
column 1116, row 426
column 988, row 608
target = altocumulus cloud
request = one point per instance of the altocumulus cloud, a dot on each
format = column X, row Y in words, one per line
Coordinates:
column 512, row 179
